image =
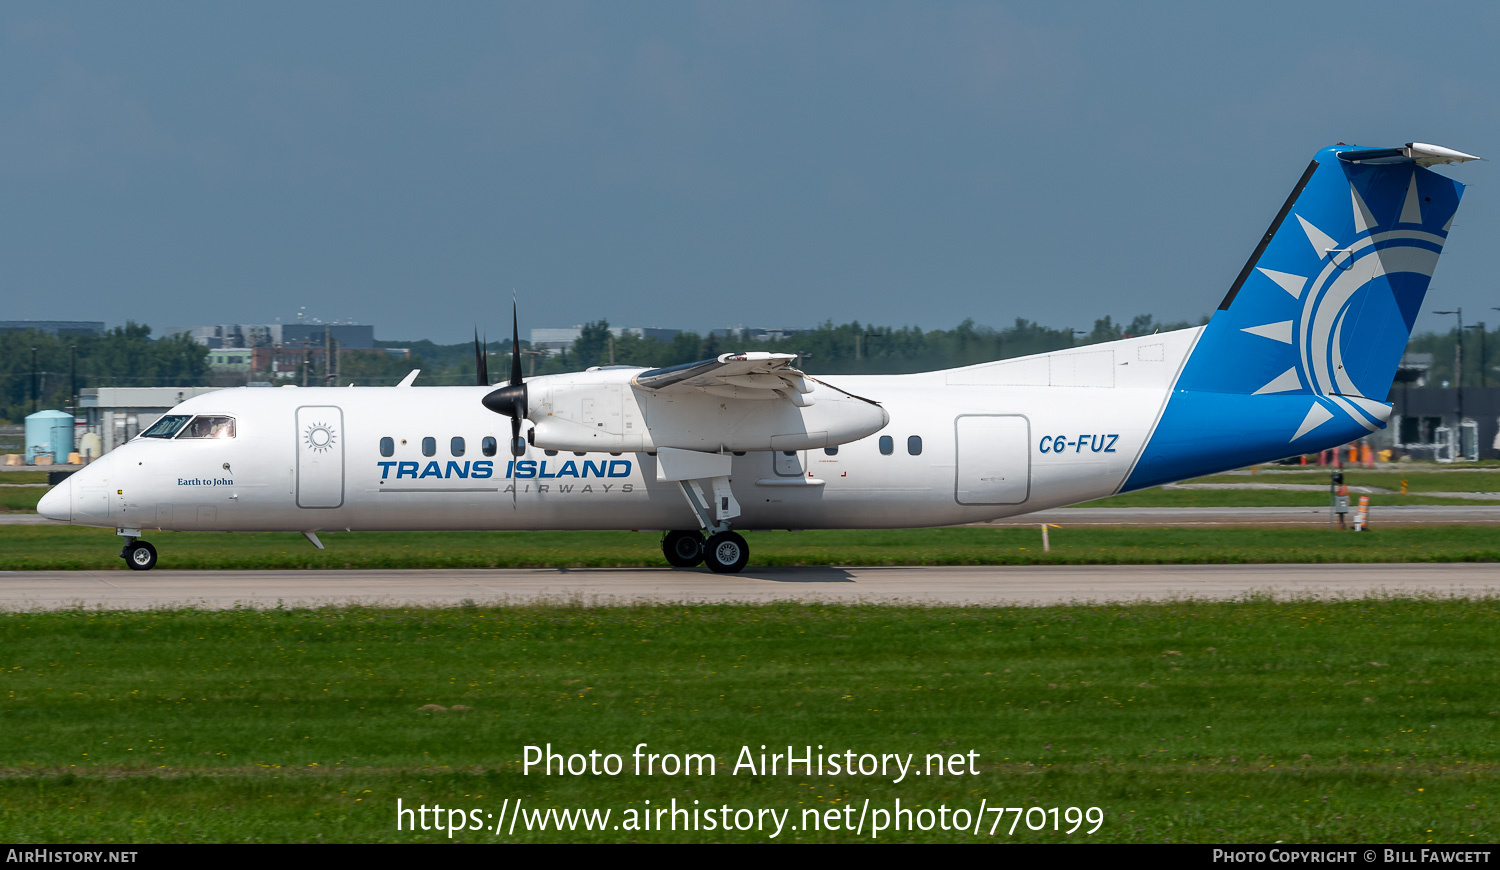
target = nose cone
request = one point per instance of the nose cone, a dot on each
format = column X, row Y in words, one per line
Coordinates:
column 57, row 504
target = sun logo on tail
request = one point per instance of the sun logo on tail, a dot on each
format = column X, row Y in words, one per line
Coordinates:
column 1341, row 307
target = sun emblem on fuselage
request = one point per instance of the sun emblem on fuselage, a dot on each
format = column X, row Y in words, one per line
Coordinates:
column 319, row 437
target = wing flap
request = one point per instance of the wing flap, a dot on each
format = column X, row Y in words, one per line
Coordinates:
column 739, row 375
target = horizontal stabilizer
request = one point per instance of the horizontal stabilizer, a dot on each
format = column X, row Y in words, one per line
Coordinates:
column 1419, row 153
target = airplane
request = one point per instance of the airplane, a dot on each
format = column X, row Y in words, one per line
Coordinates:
column 1299, row 357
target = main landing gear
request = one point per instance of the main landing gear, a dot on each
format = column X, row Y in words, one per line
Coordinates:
column 683, row 549
column 724, row 552
column 704, row 478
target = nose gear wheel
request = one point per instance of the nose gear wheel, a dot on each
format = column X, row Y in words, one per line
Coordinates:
column 139, row 555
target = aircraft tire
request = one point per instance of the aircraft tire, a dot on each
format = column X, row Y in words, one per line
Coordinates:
column 683, row 549
column 140, row 556
column 726, row 553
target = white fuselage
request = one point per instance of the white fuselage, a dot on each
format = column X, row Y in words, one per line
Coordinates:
column 996, row 439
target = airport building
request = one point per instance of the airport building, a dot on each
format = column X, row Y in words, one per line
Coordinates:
column 1443, row 423
column 230, row 335
column 55, row 327
column 346, row 336
column 230, row 360
column 281, row 351
column 349, row 336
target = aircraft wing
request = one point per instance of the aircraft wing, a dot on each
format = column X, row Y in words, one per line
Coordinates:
column 753, row 375
column 732, row 402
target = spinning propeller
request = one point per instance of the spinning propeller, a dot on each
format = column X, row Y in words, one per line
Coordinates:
column 510, row 399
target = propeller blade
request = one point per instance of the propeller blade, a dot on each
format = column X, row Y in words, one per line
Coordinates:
column 482, row 365
column 511, row 399
column 515, row 345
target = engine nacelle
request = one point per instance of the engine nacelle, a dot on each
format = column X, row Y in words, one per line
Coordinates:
column 602, row 411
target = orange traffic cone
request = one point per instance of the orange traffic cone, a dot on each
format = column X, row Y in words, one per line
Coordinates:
column 1362, row 516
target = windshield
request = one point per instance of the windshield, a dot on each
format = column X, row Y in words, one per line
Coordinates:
column 208, row 426
column 166, row 427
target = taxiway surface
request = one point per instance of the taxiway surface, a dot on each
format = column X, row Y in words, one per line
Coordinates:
column 31, row 590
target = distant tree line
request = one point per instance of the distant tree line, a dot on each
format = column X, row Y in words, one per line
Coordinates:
column 849, row 348
column 1481, row 356
column 128, row 356
column 125, row 356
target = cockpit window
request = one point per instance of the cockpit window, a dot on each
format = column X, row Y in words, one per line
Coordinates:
column 209, row 426
column 167, row 426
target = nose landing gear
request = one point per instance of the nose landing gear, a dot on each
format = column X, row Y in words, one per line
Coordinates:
column 139, row 555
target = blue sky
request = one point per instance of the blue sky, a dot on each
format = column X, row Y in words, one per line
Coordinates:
column 699, row 165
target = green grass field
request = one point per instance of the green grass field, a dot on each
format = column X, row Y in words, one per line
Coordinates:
column 20, row 498
column 46, row 547
column 1256, row 721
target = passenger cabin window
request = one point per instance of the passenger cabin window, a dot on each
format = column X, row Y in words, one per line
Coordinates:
column 167, row 426
column 887, row 445
column 831, row 451
column 914, row 445
column 387, row 447
column 429, row 446
column 456, row 446
column 488, row 446
column 206, row 426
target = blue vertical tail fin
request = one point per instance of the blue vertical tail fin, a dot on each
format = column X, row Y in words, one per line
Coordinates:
column 1303, row 349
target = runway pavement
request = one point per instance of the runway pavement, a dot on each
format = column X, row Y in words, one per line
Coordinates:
column 32, row 590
